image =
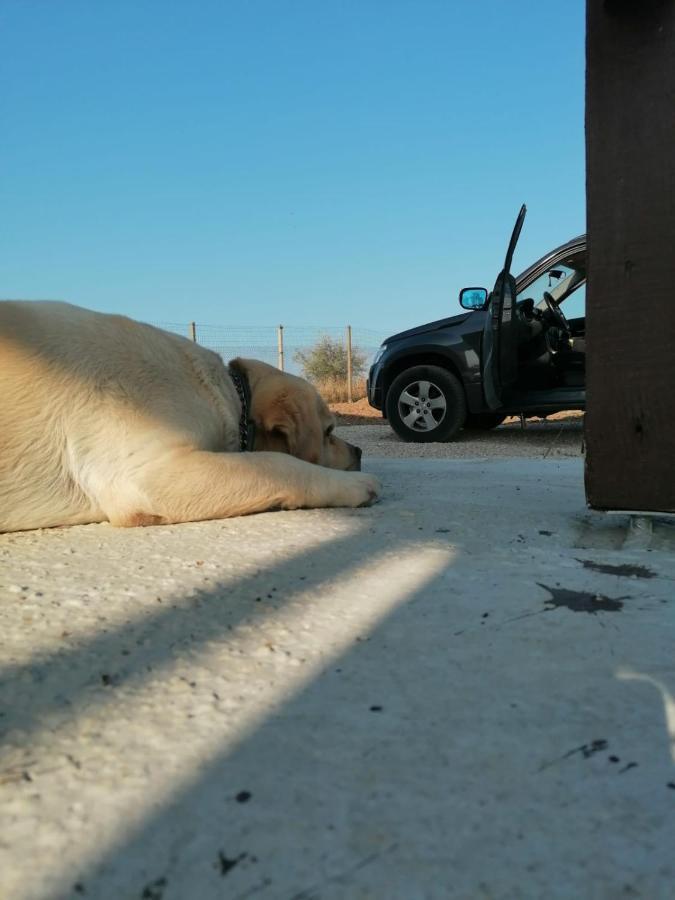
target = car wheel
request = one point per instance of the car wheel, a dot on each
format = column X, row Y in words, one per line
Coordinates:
column 426, row 403
column 483, row 421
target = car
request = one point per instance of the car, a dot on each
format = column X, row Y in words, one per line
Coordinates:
column 513, row 351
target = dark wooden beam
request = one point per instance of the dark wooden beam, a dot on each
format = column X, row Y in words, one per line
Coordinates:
column 630, row 300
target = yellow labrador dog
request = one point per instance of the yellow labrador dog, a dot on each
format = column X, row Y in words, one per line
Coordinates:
column 106, row 419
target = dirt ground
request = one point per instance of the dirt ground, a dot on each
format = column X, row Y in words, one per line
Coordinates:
column 358, row 413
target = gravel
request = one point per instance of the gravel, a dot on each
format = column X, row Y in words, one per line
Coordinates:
column 539, row 439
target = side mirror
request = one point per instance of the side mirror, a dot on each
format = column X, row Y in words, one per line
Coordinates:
column 473, row 298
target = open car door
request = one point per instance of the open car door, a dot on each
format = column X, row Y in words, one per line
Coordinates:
column 500, row 346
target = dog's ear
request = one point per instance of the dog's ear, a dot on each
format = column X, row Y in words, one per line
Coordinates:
column 288, row 417
column 285, row 410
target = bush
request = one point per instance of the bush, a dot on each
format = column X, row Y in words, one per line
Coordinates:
column 327, row 361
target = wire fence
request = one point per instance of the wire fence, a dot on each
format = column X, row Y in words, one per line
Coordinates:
column 281, row 345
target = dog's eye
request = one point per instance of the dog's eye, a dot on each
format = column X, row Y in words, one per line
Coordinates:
column 329, row 430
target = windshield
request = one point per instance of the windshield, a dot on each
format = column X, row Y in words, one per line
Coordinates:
column 565, row 281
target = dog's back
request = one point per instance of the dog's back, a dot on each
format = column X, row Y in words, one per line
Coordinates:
column 72, row 384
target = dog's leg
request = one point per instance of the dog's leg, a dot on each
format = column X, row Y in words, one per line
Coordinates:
column 191, row 485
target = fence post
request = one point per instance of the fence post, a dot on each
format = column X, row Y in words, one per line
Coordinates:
column 349, row 364
column 193, row 331
column 280, row 346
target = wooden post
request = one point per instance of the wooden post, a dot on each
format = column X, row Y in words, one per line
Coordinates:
column 193, row 331
column 630, row 308
column 280, row 346
column 350, row 399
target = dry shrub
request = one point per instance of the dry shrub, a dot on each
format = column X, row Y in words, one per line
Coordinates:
column 334, row 390
column 328, row 358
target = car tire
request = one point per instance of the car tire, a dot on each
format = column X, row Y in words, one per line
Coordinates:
column 483, row 421
column 425, row 404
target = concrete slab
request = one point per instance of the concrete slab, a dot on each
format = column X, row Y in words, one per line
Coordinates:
column 464, row 691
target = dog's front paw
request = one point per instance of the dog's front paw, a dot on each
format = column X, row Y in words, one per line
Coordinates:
column 358, row 489
column 373, row 488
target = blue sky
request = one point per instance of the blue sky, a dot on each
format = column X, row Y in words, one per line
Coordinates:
column 311, row 162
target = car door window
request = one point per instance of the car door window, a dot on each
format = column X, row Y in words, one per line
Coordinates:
column 574, row 304
column 565, row 281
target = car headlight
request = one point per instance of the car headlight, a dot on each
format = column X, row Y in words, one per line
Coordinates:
column 378, row 355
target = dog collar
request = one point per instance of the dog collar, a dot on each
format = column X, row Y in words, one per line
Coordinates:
column 246, row 425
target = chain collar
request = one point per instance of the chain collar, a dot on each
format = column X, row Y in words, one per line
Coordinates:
column 246, row 426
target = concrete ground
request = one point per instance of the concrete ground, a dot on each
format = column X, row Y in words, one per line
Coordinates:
column 465, row 691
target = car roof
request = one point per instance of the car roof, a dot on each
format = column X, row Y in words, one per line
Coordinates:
column 533, row 271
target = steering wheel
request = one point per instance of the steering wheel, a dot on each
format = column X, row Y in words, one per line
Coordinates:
column 557, row 313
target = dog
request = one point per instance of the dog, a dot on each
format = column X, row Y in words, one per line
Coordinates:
column 103, row 418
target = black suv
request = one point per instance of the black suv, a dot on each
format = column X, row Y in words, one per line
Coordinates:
column 513, row 351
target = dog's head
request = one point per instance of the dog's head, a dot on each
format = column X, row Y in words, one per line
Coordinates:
column 291, row 417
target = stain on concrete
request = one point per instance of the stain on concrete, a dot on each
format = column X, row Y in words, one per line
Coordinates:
column 626, row 570
column 225, row 865
column 588, row 750
column 581, row 601
column 585, row 750
column 154, row 890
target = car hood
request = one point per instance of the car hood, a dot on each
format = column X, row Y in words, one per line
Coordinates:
column 430, row 326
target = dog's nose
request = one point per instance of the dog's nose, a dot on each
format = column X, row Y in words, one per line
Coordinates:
column 355, row 453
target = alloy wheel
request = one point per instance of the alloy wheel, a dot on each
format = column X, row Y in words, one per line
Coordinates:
column 422, row 406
